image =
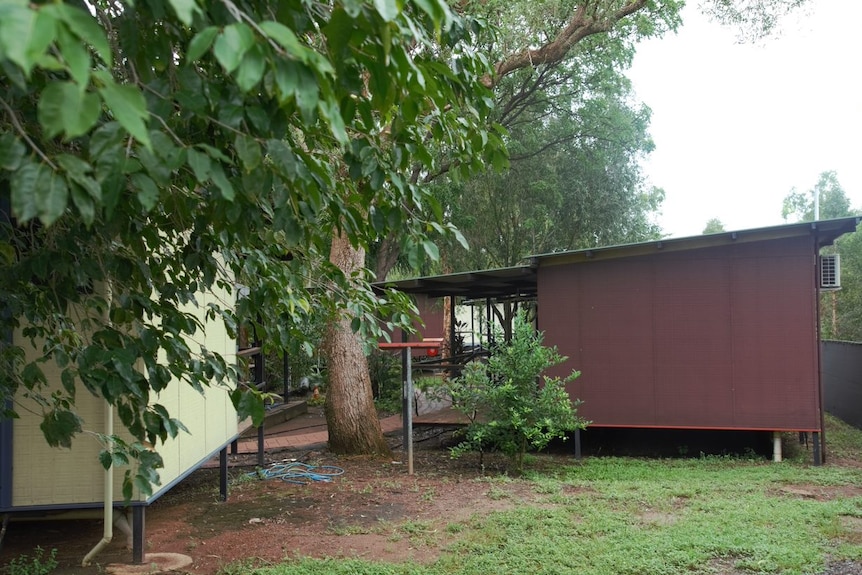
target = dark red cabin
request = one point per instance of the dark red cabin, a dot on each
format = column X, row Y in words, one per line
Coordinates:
column 717, row 331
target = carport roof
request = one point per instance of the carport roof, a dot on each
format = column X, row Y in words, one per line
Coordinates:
column 517, row 281
column 520, row 281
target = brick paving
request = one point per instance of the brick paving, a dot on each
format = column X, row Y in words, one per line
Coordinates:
column 304, row 438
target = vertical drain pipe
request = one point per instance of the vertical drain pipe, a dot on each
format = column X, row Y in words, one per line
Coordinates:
column 109, row 493
column 109, row 472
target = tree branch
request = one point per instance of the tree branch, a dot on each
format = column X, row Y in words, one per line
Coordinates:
column 14, row 119
column 584, row 23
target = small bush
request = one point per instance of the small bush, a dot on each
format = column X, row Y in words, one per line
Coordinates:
column 385, row 371
column 510, row 405
column 38, row 564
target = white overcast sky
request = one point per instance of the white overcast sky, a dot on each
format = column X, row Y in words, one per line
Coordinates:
column 736, row 126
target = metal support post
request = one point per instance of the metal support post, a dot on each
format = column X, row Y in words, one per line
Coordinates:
column 222, row 466
column 138, row 533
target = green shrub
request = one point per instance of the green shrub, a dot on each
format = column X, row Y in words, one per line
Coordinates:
column 510, row 405
column 384, row 368
column 38, row 564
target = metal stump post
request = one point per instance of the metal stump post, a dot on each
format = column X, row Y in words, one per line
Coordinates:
column 222, row 466
column 138, row 525
column 409, row 418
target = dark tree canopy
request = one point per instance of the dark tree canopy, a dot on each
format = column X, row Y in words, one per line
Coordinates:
column 152, row 150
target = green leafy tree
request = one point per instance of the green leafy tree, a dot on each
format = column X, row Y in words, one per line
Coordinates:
column 713, row 226
column 753, row 19
column 833, row 201
column 152, row 151
column 574, row 136
column 511, row 407
column 841, row 310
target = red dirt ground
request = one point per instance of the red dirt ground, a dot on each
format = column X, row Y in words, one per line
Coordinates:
column 374, row 510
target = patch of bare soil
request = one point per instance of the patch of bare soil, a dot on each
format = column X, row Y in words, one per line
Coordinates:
column 375, row 510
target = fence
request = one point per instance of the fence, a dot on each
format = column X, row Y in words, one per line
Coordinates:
column 841, row 376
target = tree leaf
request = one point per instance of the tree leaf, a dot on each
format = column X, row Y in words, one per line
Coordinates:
column 332, row 113
column 200, row 164
column 74, row 166
column 79, row 171
column 16, row 28
column 84, row 203
column 283, row 157
column 232, row 44
column 52, row 196
column 42, row 34
column 287, row 79
column 148, row 192
column 221, row 181
column 307, row 92
column 24, row 181
column 251, row 69
column 59, row 426
column 129, row 108
column 185, row 10
column 105, row 137
column 388, row 9
column 248, row 151
column 431, row 249
column 248, row 404
column 285, row 38
column 50, row 108
column 87, row 29
column 201, row 43
column 437, row 10
column 11, row 151
column 76, row 56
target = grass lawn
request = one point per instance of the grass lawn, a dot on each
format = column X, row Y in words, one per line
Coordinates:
column 611, row 516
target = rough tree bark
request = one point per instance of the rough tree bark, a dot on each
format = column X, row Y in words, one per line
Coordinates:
column 351, row 416
column 387, row 257
column 589, row 18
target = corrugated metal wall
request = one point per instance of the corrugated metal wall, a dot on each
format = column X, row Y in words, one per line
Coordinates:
column 48, row 477
column 431, row 312
column 719, row 337
column 841, row 372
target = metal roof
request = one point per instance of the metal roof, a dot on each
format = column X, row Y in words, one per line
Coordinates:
column 517, row 281
column 824, row 231
column 520, row 281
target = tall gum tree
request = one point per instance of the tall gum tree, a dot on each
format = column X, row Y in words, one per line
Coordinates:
column 536, row 43
column 349, row 376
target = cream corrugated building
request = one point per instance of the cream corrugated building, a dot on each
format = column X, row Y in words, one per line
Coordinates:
column 37, row 478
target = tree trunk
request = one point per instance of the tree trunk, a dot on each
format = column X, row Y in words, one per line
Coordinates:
column 351, row 416
column 387, row 257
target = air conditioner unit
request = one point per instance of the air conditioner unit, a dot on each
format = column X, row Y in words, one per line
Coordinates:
column 830, row 272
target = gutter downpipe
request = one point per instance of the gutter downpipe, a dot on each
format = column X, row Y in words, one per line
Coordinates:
column 109, row 494
column 109, row 472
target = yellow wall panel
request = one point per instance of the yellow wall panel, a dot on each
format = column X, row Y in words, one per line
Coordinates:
column 46, row 476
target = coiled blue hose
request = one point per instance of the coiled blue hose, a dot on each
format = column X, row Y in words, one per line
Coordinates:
column 297, row 472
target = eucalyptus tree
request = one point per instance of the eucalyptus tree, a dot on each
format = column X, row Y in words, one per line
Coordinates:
column 827, row 195
column 531, row 60
column 841, row 310
column 574, row 182
column 713, row 226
